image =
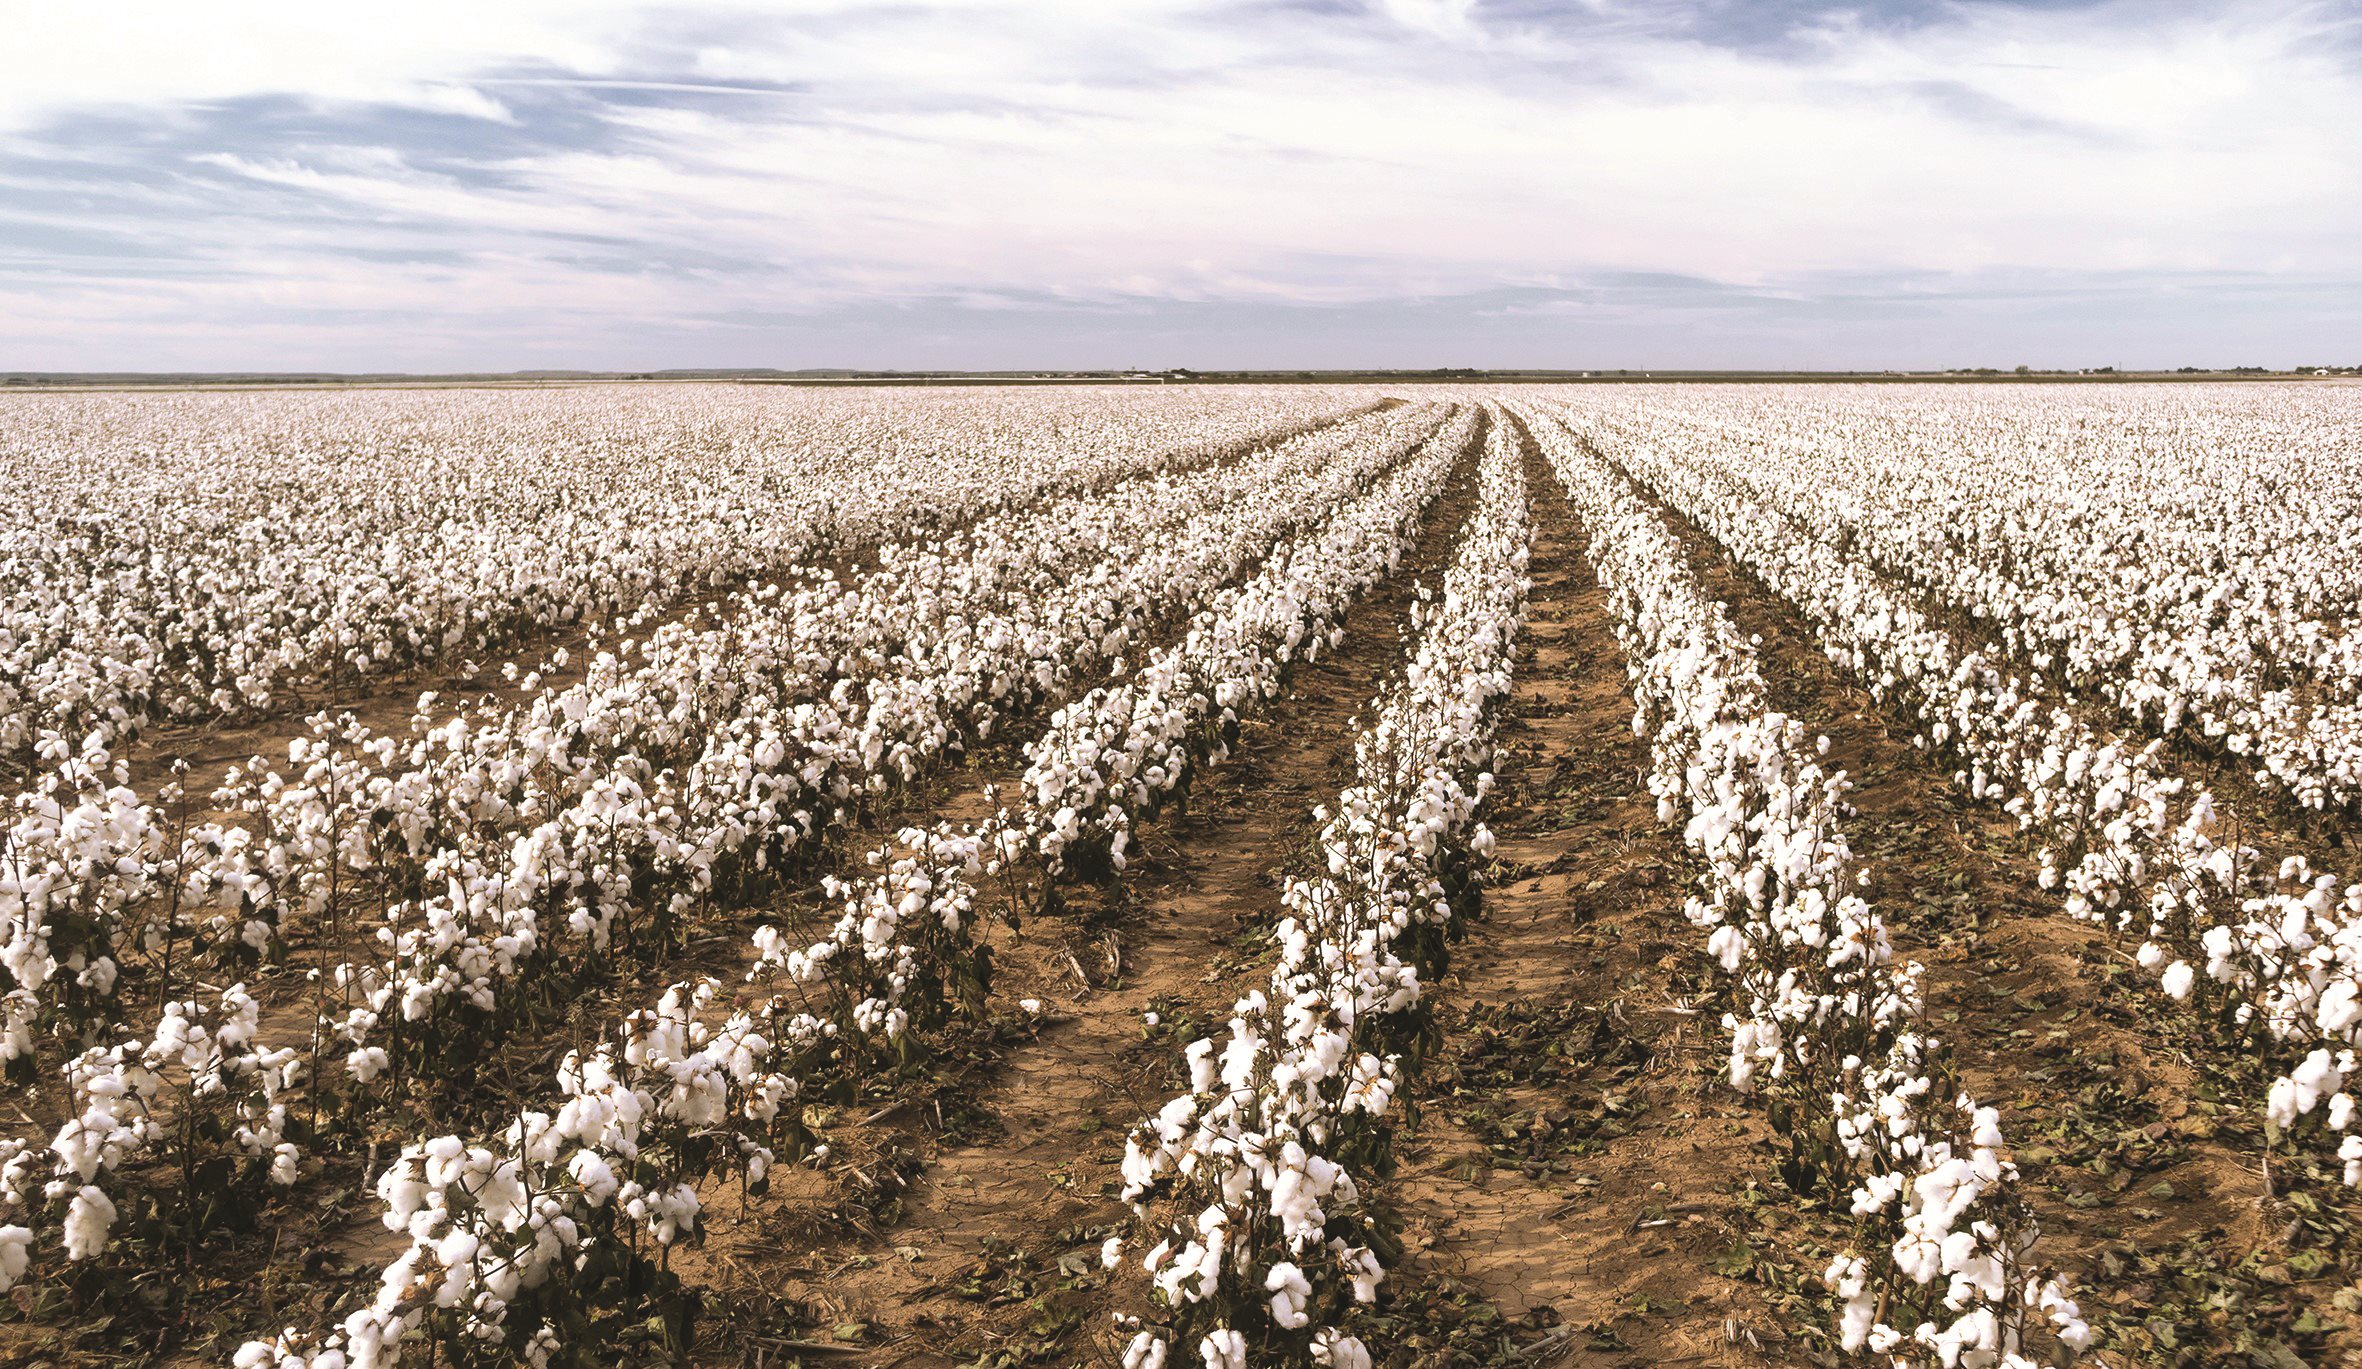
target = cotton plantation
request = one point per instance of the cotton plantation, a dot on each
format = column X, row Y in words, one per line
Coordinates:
column 1226, row 875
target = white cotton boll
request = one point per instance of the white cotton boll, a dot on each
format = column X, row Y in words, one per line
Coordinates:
column 1223, row 1349
column 1200, row 1055
column 2319, row 1073
column 1855, row 1322
column 1986, row 1128
column 88, row 1220
column 1362, row 1267
column 1032, row 1006
column 2301, row 1090
column 1336, row 1350
column 457, row 1248
column 1290, row 1292
column 15, row 1254
column 2340, row 1009
column 2178, row 980
column 443, row 1154
column 1111, row 1252
column 1147, row 1351
column 596, row 1177
column 1728, row 945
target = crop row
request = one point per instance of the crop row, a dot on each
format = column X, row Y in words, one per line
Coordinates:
column 2261, row 946
column 511, row 862
column 1825, row 1018
column 591, row 1198
column 2187, row 557
column 236, row 555
column 1251, row 1190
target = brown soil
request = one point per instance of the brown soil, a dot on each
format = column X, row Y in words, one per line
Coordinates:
column 1576, row 1164
column 321, row 1253
column 2129, row 1150
column 1576, row 1187
column 994, row 1245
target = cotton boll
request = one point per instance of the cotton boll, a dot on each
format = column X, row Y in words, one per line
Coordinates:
column 1223, row 1349
column 1200, row 1055
column 1290, row 1292
column 1146, row 1351
column 89, row 1219
column 15, row 1254
column 1336, row 1350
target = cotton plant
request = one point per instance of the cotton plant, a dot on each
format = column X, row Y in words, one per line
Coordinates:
column 905, row 950
column 83, row 864
column 2258, row 946
column 511, row 1241
column 1254, row 1228
column 203, row 1090
column 903, row 953
column 1946, row 1264
column 1825, row 1014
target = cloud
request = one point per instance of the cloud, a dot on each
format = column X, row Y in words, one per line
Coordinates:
column 466, row 101
column 485, row 183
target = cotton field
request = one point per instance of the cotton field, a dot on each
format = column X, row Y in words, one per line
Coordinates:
column 1183, row 875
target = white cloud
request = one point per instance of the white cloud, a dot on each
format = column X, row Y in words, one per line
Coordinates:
column 823, row 156
column 462, row 100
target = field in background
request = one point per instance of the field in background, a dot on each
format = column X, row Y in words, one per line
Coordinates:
column 1231, row 874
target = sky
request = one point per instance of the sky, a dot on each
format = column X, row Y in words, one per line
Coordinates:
column 434, row 185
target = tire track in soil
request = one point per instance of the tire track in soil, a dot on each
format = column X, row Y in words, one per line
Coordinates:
column 2127, row 1152
column 1041, row 1149
column 1574, row 1164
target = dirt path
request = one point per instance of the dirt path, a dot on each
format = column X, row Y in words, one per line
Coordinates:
column 993, row 1250
column 2145, row 1176
column 1575, row 1167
